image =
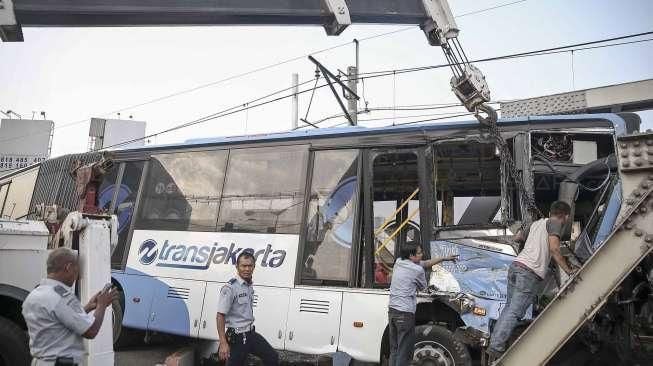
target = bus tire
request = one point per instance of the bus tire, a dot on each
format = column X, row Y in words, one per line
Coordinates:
column 14, row 344
column 117, row 314
column 436, row 345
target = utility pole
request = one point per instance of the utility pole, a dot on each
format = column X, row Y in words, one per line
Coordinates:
column 352, row 103
column 294, row 123
column 352, row 75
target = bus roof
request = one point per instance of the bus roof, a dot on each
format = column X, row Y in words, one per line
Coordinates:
column 316, row 133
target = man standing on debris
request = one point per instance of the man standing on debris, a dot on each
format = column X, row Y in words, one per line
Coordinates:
column 56, row 320
column 527, row 271
column 235, row 311
column 408, row 277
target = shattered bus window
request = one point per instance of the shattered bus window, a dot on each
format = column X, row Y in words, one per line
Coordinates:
column 468, row 183
column 575, row 168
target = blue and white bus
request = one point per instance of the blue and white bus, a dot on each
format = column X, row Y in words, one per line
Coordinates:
column 325, row 211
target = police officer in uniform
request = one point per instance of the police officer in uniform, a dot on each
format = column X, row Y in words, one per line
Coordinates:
column 56, row 320
column 235, row 312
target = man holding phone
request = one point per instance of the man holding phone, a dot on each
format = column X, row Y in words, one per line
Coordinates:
column 56, row 320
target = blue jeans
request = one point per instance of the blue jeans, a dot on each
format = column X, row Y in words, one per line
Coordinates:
column 402, row 337
column 523, row 286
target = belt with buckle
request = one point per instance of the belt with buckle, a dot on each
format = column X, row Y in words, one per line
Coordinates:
column 245, row 329
column 58, row 361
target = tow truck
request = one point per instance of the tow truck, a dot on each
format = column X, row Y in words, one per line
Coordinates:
column 23, row 251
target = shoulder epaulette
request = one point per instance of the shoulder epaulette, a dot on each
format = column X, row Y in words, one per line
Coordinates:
column 232, row 281
column 60, row 290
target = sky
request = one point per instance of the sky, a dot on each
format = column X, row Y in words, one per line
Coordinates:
column 74, row 74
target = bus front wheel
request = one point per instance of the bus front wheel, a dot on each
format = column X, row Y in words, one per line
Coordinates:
column 436, row 345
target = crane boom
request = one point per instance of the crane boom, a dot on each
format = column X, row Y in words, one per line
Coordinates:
column 433, row 16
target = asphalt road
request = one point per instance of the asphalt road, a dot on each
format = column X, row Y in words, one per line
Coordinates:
column 138, row 353
column 154, row 355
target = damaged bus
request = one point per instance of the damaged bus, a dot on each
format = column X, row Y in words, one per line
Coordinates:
column 326, row 210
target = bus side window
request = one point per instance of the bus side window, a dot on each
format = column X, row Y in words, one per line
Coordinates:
column 108, row 188
column 19, row 195
column 124, row 207
column 264, row 190
column 331, row 213
column 182, row 191
column 4, row 188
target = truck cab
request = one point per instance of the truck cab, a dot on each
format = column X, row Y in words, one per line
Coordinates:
column 23, row 251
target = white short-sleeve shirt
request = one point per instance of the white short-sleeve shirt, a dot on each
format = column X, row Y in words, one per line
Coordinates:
column 55, row 321
column 235, row 301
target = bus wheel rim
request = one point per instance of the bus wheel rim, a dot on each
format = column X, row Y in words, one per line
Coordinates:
column 432, row 353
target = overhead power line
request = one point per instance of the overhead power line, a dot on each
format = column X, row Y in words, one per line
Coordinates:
column 251, row 104
column 414, row 107
column 547, row 51
column 490, row 8
column 445, row 116
column 262, row 68
column 233, row 110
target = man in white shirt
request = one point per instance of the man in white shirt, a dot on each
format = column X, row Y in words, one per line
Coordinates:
column 528, row 270
column 56, row 320
column 408, row 277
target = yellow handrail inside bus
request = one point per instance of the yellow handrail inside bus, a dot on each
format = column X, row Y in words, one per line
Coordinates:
column 394, row 214
column 394, row 233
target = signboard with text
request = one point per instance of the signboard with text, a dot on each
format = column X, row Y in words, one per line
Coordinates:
column 12, row 162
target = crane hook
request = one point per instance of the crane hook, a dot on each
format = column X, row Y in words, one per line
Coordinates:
column 492, row 117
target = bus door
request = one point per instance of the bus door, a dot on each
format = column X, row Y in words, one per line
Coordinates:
column 393, row 201
column 394, row 193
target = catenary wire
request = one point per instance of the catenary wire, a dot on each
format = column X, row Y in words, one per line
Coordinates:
column 542, row 52
column 413, row 107
column 231, row 110
column 263, row 68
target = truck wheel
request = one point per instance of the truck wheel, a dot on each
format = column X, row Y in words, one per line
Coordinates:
column 436, row 346
column 116, row 306
column 14, row 348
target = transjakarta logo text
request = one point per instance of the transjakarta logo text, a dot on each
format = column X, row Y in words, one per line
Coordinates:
column 202, row 256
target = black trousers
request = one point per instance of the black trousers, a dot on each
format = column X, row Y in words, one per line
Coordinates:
column 251, row 343
column 402, row 337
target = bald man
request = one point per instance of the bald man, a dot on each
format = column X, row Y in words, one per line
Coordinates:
column 56, row 320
